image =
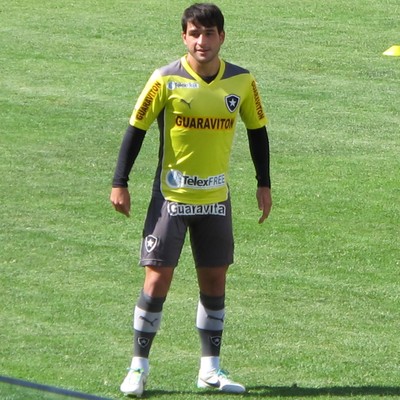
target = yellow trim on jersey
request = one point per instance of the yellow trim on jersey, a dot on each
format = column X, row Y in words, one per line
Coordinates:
column 198, row 123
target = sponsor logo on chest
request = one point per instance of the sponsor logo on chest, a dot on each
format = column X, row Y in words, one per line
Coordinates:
column 176, row 179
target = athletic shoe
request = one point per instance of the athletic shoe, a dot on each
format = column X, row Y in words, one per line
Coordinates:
column 134, row 382
column 218, row 379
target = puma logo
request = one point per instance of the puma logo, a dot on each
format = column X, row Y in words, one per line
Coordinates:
column 188, row 103
column 215, row 318
column 148, row 321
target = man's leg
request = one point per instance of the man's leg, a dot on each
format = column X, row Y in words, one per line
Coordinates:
column 210, row 324
column 148, row 313
column 163, row 237
column 146, row 322
column 211, row 314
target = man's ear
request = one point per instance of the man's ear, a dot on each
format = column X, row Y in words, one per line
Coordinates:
column 222, row 37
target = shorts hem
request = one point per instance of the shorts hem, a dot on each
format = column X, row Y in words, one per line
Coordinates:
column 156, row 263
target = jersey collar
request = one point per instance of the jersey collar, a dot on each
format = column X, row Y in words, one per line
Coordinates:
column 198, row 78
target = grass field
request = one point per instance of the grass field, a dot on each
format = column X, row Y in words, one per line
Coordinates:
column 314, row 297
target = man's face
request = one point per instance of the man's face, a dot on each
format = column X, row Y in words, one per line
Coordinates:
column 203, row 43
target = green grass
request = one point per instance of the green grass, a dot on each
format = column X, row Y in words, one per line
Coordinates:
column 313, row 298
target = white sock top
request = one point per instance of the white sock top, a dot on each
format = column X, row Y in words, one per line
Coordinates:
column 140, row 363
column 209, row 363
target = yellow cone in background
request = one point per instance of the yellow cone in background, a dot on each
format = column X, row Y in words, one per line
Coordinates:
column 392, row 51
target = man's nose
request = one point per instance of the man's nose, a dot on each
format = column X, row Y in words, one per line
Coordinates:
column 200, row 39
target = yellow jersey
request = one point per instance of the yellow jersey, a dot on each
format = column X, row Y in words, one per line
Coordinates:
column 197, row 123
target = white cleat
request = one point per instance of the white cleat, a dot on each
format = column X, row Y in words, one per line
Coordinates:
column 134, row 383
column 218, row 379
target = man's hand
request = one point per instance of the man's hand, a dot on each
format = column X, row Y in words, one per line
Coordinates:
column 121, row 200
column 264, row 202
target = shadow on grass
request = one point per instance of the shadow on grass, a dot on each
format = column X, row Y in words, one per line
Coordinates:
column 342, row 391
column 293, row 391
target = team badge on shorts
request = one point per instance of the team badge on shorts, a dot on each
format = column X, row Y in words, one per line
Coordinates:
column 232, row 102
column 150, row 243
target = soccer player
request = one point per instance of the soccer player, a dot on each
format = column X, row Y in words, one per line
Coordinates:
column 196, row 100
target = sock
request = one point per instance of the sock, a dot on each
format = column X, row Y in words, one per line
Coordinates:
column 146, row 322
column 140, row 363
column 210, row 325
column 209, row 363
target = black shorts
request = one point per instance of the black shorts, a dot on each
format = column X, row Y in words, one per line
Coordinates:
column 210, row 229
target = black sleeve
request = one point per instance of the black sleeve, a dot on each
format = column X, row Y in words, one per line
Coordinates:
column 259, row 149
column 130, row 147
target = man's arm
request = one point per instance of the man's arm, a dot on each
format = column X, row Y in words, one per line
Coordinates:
column 259, row 150
column 129, row 150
